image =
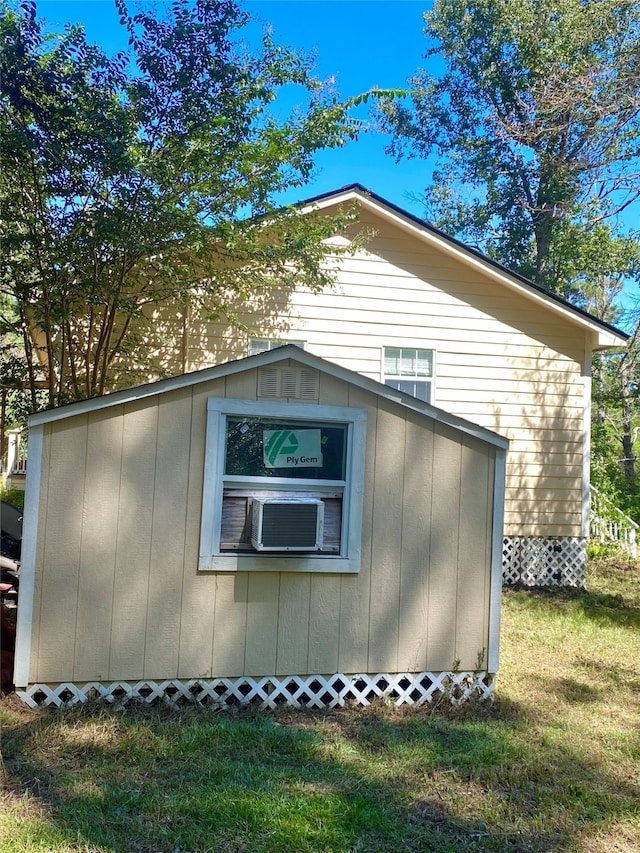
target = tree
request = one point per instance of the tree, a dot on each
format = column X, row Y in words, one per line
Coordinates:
column 149, row 178
column 13, row 411
column 535, row 124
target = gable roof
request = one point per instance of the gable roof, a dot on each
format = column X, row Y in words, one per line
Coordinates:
column 606, row 335
column 288, row 352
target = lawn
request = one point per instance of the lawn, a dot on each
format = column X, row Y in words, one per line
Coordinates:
column 552, row 765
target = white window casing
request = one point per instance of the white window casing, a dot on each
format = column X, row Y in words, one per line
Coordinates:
column 410, row 369
column 213, row 556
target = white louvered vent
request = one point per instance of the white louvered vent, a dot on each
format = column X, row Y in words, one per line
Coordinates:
column 288, row 382
column 268, row 382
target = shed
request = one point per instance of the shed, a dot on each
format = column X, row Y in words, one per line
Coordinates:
column 276, row 529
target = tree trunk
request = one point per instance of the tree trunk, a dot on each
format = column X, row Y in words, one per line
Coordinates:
column 629, row 459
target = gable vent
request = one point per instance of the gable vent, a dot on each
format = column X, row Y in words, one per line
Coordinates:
column 288, row 382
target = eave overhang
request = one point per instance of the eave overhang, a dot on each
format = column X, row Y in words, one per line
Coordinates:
column 601, row 335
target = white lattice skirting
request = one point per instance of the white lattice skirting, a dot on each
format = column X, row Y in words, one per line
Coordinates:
column 311, row 691
column 538, row 561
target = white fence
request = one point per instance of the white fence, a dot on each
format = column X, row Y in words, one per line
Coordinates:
column 14, row 463
column 607, row 523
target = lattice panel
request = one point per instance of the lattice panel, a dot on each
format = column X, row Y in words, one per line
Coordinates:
column 312, row 691
column 537, row 561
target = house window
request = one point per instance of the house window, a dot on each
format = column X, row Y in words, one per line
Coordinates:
column 257, row 345
column 283, row 487
column 410, row 370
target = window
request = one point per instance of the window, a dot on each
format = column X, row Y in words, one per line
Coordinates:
column 410, row 370
column 257, row 345
column 283, row 487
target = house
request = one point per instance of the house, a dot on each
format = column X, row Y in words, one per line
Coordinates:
column 277, row 529
column 421, row 312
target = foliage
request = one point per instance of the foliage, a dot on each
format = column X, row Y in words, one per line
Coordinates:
column 536, row 124
column 551, row 766
column 15, row 497
column 599, row 551
column 615, row 427
column 14, row 400
column 535, row 127
column 149, row 178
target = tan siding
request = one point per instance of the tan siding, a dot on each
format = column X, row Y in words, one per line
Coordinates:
column 133, row 556
column 168, row 535
column 39, row 580
column 198, row 592
column 356, row 589
column 414, row 565
column 229, row 640
column 98, row 547
column 242, row 386
column 387, row 540
column 476, row 506
column 324, row 624
column 262, row 623
column 444, row 551
column 332, row 391
column 293, row 624
column 61, row 557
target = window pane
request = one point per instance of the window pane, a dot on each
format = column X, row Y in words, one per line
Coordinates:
column 258, row 447
column 424, row 362
column 408, row 362
column 391, row 361
column 257, row 345
column 420, row 390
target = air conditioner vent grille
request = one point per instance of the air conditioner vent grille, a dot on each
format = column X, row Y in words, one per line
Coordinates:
column 287, row 525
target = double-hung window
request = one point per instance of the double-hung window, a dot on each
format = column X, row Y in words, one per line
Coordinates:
column 257, row 345
column 410, row 370
column 283, row 487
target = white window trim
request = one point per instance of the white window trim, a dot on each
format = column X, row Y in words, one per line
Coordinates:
column 405, row 345
column 211, row 558
column 273, row 343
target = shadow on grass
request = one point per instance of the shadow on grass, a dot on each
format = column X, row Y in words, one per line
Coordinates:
column 350, row 780
column 573, row 691
column 602, row 608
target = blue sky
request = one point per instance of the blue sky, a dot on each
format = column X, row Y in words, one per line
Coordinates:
column 360, row 43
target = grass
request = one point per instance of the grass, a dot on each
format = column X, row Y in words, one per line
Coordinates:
column 552, row 765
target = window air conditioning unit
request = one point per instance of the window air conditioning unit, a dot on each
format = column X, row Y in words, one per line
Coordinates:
column 281, row 524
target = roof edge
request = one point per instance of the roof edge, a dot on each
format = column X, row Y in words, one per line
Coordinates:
column 362, row 191
column 283, row 353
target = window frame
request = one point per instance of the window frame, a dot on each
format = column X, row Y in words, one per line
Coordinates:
column 212, row 557
column 272, row 343
column 427, row 380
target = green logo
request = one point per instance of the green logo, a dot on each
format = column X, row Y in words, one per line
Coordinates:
column 281, row 441
column 292, row 448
